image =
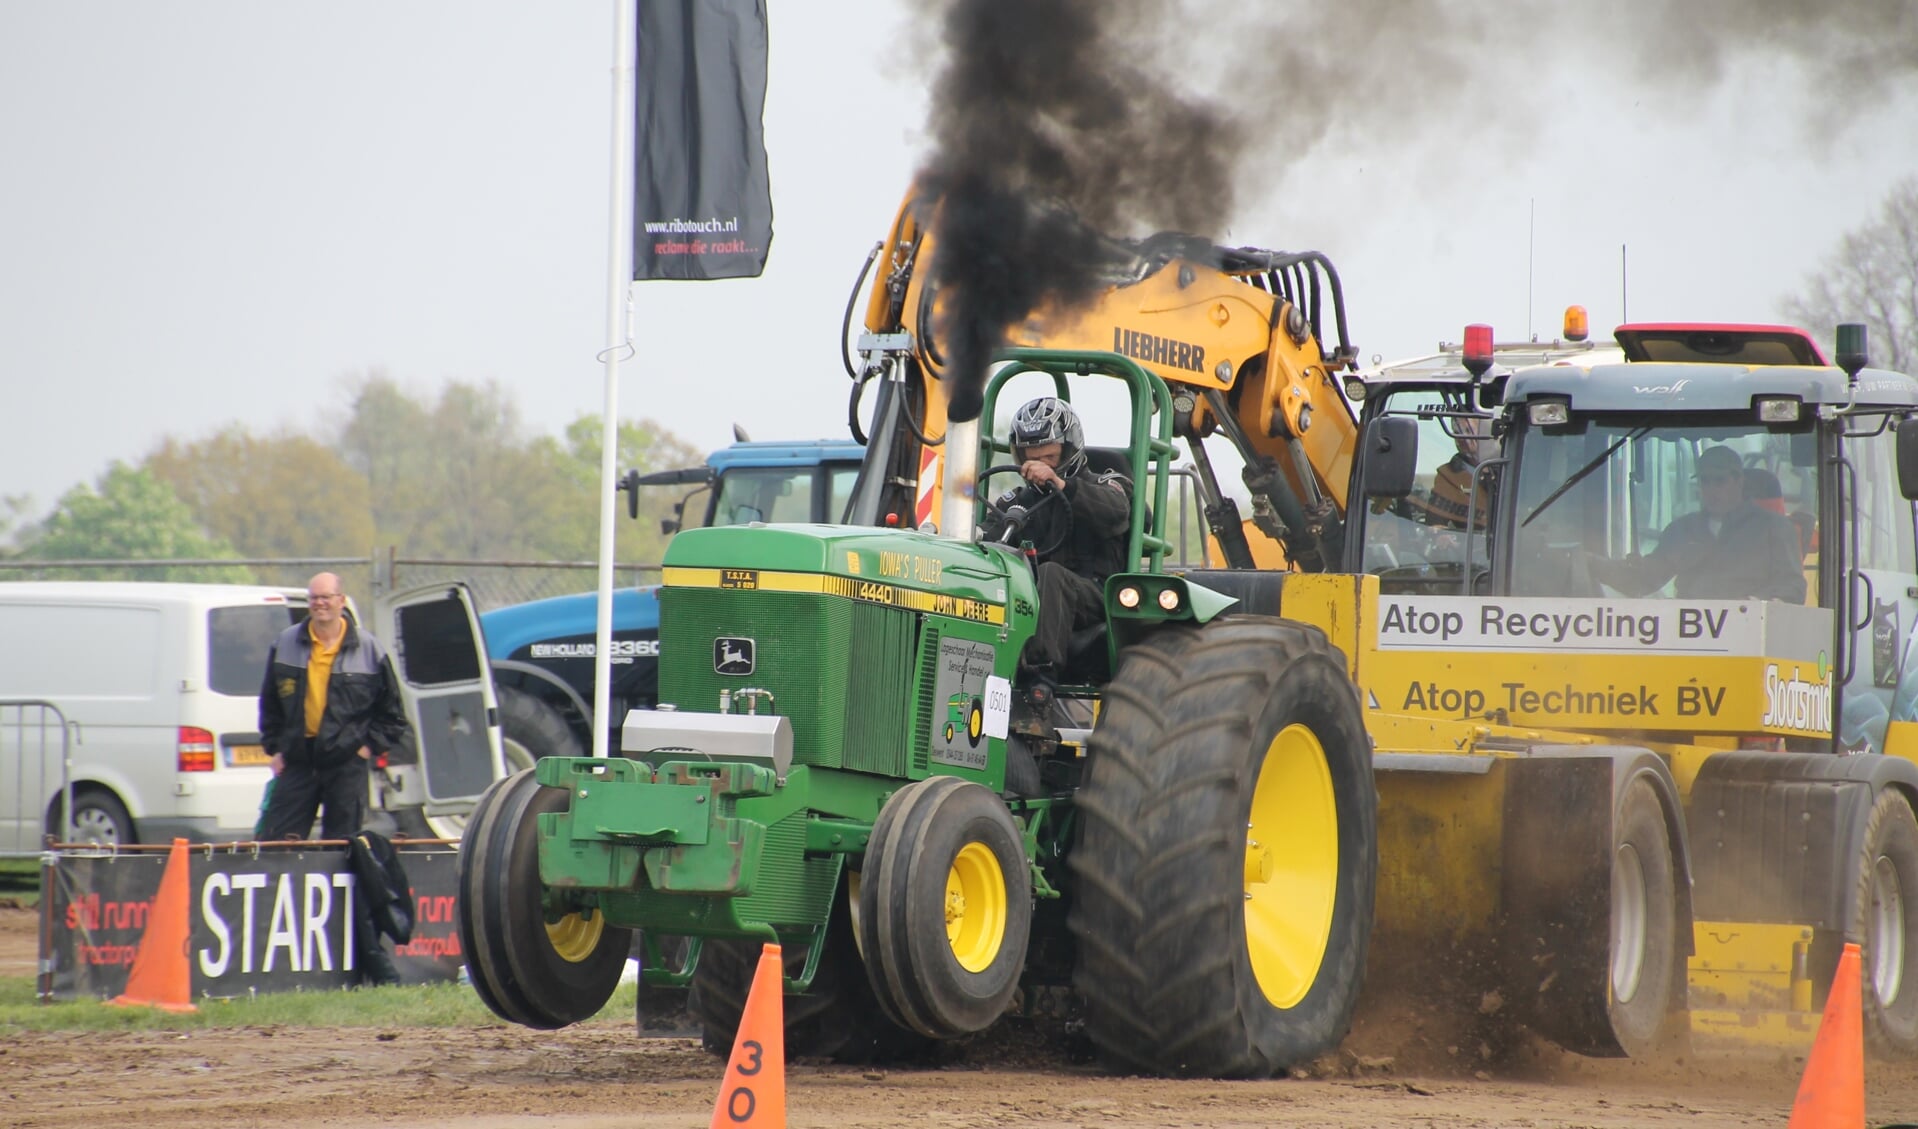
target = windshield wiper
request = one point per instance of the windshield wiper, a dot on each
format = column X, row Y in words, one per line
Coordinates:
column 1578, row 476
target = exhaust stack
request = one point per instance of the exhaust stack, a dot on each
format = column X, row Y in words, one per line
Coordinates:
column 960, row 488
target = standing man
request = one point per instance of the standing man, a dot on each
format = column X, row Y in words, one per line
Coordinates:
column 329, row 704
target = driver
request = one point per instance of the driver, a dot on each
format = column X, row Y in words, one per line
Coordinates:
column 1083, row 532
column 1731, row 548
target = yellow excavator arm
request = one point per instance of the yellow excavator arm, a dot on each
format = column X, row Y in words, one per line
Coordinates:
column 1234, row 332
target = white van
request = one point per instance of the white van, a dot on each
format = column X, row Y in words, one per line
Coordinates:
column 158, row 685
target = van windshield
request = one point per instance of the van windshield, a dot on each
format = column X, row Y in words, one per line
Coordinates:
column 237, row 640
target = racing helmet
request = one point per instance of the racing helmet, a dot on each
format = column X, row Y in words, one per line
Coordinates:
column 1048, row 420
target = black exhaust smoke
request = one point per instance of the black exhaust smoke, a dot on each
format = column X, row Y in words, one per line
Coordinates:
column 1050, row 137
column 1057, row 124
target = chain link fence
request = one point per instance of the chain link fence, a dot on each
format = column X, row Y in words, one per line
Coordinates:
column 494, row 584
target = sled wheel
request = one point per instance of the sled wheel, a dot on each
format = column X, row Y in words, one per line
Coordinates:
column 837, row 1018
column 975, row 722
column 1227, row 852
column 546, row 965
column 945, row 907
column 1645, row 974
column 1888, row 922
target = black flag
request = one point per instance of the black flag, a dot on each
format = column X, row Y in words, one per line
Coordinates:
column 702, row 204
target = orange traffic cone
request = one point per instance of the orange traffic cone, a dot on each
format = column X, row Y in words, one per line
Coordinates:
column 1832, row 1094
column 753, row 1092
column 159, row 977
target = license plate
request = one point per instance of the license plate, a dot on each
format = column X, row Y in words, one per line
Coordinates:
column 246, row 755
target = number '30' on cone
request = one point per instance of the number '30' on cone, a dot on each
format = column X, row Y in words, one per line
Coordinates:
column 159, row 977
column 1832, row 1093
column 754, row 1090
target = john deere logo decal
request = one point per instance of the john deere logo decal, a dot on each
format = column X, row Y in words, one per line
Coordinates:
column 732, row 655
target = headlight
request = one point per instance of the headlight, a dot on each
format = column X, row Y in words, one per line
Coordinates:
column 1778, row 409
column 1546, row 413
column 1169, row 599
column 1354, row 389
column 1128, row 597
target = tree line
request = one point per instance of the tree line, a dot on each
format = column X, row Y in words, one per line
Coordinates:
column 452, row 476
column 459, row 477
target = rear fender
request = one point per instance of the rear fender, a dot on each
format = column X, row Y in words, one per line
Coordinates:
column 1191, row 603
column 1777, row 833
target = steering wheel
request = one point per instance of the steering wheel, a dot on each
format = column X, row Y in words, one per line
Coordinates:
column 1018, row 514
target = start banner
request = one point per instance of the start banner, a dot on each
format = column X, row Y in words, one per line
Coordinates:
column 259, row 919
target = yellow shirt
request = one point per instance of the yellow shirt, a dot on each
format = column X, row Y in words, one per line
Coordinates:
column 319, row 668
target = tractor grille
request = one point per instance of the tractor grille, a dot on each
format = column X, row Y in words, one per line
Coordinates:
column 792, row 888
column 928, row 678
column 840, row 670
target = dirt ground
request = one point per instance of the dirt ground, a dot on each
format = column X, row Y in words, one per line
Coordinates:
column 1399, row 1068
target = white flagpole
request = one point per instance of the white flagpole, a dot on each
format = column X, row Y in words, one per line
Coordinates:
column 619, row 282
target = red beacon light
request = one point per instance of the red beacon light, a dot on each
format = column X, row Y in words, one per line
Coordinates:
column 1577, row 326
column 1478, row 349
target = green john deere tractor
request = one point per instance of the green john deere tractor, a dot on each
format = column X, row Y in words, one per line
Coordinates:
column 845, row 761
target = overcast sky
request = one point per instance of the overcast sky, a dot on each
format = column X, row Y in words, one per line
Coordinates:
column 214, row 212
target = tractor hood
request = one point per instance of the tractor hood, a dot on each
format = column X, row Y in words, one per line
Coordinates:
column 901, row 568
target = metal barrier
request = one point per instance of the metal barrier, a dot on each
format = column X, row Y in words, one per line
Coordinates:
column 33, row 746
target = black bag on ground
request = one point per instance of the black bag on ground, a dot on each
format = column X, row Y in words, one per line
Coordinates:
column 383, row 883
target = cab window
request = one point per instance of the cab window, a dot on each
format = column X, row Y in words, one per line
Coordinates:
column 1419, row 541
column 769, row 494
column 843, row 477
column 1623, row 509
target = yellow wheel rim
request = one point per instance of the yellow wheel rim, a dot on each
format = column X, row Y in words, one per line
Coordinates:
column 576, row 937
column 1291, row 866
column 975, row 907
column 975, row 723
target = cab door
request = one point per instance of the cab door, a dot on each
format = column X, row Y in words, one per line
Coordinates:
column 439, row 654
column 1883, row 667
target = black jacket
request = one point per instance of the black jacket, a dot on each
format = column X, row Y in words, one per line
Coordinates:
column 362, row 700
column 1755, row 555
column 387, row 893
column 1095, row 547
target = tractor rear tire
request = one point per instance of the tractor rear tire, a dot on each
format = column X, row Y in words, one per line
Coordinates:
column 1645, row 968
column 1888, row 921
column 945, row 907
column 1227, row 852
column 836, row 1019
column 537, row 973
column 531, row 729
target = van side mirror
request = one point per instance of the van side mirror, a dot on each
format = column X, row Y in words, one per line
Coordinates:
column 1389, row 459
column 1908, row 457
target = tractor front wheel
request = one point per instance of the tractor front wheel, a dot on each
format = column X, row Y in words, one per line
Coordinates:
column 945, row 907
column 1227, row 852
column 534, row 965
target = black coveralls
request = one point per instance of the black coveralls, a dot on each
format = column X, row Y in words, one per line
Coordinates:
column 1072, row 577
